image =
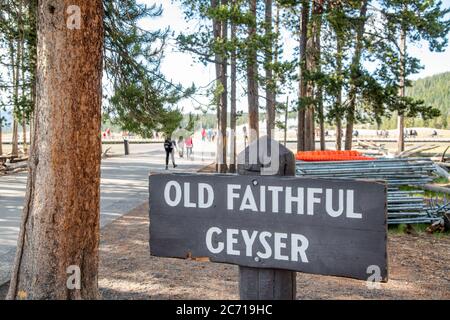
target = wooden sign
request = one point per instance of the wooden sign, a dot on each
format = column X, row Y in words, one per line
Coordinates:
column 319, row 226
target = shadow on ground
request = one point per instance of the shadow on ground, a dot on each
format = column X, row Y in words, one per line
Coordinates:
column 419, row 268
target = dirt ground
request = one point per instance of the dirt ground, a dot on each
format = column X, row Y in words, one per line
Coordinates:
column 419, row 267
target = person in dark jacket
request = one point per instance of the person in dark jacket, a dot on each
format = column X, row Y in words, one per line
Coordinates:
column 169, row 146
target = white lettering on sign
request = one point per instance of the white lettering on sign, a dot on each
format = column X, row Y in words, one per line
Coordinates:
column 265, row 198
column 268, row 250
column 329, row 203
column 280, row 244
column 286, row 247
column 248, row 201
column 350, row 203
column 187, row 196
column 312, row 199
column 298, row 199
column 275, row 191
column 262, row 199
column 209, row 241
column 249, row 240
column 231, row 240
column 232, row 195
column 205, row 202
column 205, row 195
column 167, row 189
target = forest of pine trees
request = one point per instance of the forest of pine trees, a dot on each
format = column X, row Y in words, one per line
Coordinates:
column 435, row 91
column 64, row 67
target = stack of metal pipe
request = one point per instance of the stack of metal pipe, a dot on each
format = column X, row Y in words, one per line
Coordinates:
column 402, row 206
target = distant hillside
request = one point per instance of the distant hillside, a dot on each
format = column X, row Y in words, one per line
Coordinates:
column 434, row 90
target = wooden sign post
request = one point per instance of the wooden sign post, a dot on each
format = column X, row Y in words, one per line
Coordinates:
column 271, row 225
column 259, row 283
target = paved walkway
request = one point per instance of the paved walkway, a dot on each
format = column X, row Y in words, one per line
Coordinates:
column 124, row 186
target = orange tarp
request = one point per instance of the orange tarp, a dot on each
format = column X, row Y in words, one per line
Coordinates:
column 344, row 155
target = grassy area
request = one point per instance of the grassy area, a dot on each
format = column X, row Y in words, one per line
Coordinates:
column 427, row 193
column 419, row 228
column 441, row 180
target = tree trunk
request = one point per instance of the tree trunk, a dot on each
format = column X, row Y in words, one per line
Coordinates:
column 32, row 12
column 313, row 65
column 24, row 134
column 32, row 125
column 15, row 63
column 224, row 98
column 338, row 98
column 233, row 100
column 401, row 119
column 321, row 119
column 309, row 121
column 286, row 115
column 338, row 134
column 270, row 85
column 302, row 71
column 355, row 74
column 318, row 8
column 15, row 138
column 60, row 223
column 22, row 77
column 218, row 68
column 252, row 78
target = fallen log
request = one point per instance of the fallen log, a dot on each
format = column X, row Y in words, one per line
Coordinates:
column 444, row 164
column 10, row 168
column 441, row 172
column 15, row 160
column 434, row 188
column 443, row 154
column 415, row 150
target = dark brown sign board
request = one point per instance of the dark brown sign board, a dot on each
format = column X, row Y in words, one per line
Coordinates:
column 318, row 226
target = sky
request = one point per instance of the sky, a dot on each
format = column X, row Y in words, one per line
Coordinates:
column 181, row 68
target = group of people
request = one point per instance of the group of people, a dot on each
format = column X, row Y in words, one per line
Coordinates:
column 208, row 134
column 383, row 133
column 170, row 146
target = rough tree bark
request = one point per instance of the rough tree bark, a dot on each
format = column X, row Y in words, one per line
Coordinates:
column 15, row 138
column 401, row 119
column 338, row 97
column 321, row 118
column 217, row 31
column 15, row 62
column 286, row 115
column 224, row 98
column 22, row 77
column 270, row 85
column 60, row 222
column 233, row 99
column 252, row 77
column 302, row 70
column 318, row 10
column 24, row 136
column 309, row 107
column 355, row 70
column 312, row 64
column 32, row 13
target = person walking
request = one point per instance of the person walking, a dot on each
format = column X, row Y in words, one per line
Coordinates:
column 203, row 134
column 169, row 146
column 189, row 145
